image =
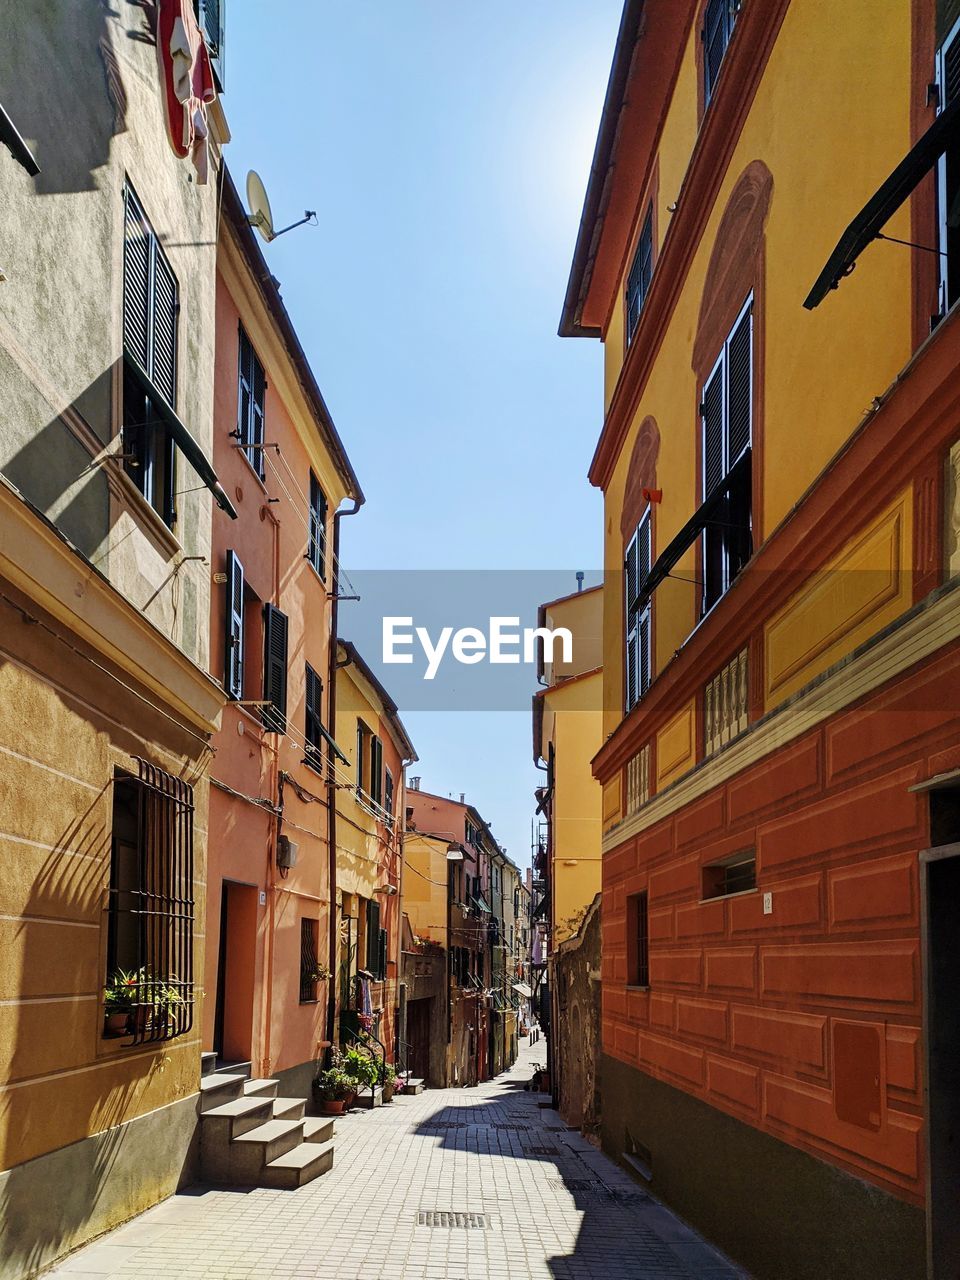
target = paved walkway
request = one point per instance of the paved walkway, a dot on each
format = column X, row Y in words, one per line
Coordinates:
column 542, row 1203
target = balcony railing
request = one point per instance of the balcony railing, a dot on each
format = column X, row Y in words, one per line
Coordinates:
column 726, row 704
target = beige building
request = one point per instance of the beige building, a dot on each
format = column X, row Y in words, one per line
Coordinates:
column 106, row 490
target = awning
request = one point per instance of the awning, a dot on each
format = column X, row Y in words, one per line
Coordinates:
column 703, row 516
column 540, row 910
column 523, row 989
column 11, row 139
column 881, row 206
column 184, row 440
column 481, row 904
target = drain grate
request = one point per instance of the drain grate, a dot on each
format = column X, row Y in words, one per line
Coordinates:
column 544, row 1151
column 443, row 1124
column 514, row 1127
column 598, row 1189
column 451, row 1218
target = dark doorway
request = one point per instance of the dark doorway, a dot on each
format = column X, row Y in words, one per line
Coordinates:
column 940, row 882
column 418, row 1037
column 233, row 1020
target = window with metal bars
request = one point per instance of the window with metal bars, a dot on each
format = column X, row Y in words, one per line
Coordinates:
column 251, row 405
column 638, row 637
column 150, row 314
column 948, row 175
column 638, row 938
column 638, row 282
column 309, row 964
column 726, row 416
column 275, row 632
column 314, row 720
column 719, row 19
column 316, row 552
column 736, row 874
column 150, row 922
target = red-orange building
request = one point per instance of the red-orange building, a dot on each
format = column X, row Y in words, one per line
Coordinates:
column 271, row 865
column 781, row 770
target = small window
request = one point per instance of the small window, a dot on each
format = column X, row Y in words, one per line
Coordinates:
column 374, row 947
column 275, row 630
column 251, row 405
column 376, row 769
column 638, row 941
column 309, row 964
column 233, row 657
column 362, row 732
column 314, row 720
column 388, row 794
column 726, row 416
column 636, row 572
column 316, row 552
column 736, row 874
column 151, row 307
column 638, row 282
column 948, row 175
column 150, row 919
column 718, row 22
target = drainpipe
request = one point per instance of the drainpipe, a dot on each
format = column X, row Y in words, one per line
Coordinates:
column 276, row 789
column 331, row 782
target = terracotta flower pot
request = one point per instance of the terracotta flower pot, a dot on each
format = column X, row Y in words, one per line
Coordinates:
column 333, row 1106
column 117, row 1024
column 388, row 1092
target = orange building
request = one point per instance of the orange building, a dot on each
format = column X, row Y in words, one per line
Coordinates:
column 781, row 766
column 273, row 616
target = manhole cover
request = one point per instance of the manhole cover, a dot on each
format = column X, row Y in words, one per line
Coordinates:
column 451, row 1219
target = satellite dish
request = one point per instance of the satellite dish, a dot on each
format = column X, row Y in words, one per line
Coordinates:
column 259, row 206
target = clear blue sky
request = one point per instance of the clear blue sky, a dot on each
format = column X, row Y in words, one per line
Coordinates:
column 446, row 147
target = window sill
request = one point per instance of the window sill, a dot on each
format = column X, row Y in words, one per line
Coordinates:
column 321, row 577
column 261, row 481
column 636, row 986
column 313, row 767
column 151, row 523
column 723, row 897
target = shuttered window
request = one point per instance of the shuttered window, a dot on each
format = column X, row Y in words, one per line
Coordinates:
column 150, row 313
column 638, row 638
column 948, row 175
column 251, row 402
column 211, row 16
column 373, row 937
column 360, row 742
column 318, row 526
column 388, row 794
column 718, row 22
column 641, row 272
column 275, row 630
column 233, row 658
column 376, row 769
column 314, row 720
column 726, row 417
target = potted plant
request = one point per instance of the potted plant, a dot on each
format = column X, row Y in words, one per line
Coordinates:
column 390, row 1081
column 319, row 973
column 330, row 1090
column 360, row 1067
column 119, row 999
column 166, row 999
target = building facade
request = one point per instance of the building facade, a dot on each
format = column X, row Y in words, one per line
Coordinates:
column 107, row 314
column 272, row 620
column 779, row 464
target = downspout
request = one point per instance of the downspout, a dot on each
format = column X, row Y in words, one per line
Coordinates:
column 331, row 781
column 276, row 789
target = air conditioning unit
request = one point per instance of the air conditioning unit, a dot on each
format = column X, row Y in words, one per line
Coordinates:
column 286, row 853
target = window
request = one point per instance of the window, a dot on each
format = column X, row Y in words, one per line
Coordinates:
column 151, row 905
column 210, row 17
column 233, row 662
column 636, row 572
column 314, row 720
column 948, row 175
column 275, row 629
column 718, row 23
column 638, row 282
column 150, row 311
column 309, row 965
column 376, row 769
column 726, row 414
column 376, row 942
column 638, row 941
column 388, row 793
column 361, row 734
column 316, row 553
column 736, row 874
column 250, row 405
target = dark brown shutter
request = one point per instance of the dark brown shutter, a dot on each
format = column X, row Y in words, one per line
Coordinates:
column 712, row 415
column 373, row 936
column 136, row 280
column 275, row 628
column 165, row 308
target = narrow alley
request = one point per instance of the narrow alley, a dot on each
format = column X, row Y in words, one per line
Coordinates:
column 527, row 1196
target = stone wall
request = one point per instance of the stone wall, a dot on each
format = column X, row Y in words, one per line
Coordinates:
column 576, row 968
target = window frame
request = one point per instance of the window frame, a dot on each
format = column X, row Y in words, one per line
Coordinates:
column 309, row 959
column 714, row 876
column 638, row 939
column 317, row 547
column 721, row 369
column 276, row 642
column 638, row 622
column 252, row 418
column 943, row 230
column 730, row 10
column 641, row 288
column 314, row 739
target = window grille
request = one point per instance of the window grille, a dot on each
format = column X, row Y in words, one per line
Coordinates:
column 151, row 913
column 638, row 779
column 638, row 940
column 725, row 704
column 308, row 960
column 736, row 874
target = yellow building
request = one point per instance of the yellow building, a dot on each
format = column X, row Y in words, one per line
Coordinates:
column 567, row 734
column 779, row 460
column 106, row 370
column 371, row 790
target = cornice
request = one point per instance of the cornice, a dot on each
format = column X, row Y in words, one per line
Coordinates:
column 746, row 59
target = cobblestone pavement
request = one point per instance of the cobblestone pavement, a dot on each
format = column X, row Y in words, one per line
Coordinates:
column 543, row 1203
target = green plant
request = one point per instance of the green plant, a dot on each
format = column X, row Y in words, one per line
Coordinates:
column 122, row 991
column 390, row 1076
column 332, row 1085
column 359, row 1066
column 319, row 973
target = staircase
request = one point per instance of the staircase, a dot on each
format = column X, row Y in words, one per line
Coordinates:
column 411, row 1084
column 251, row 1137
